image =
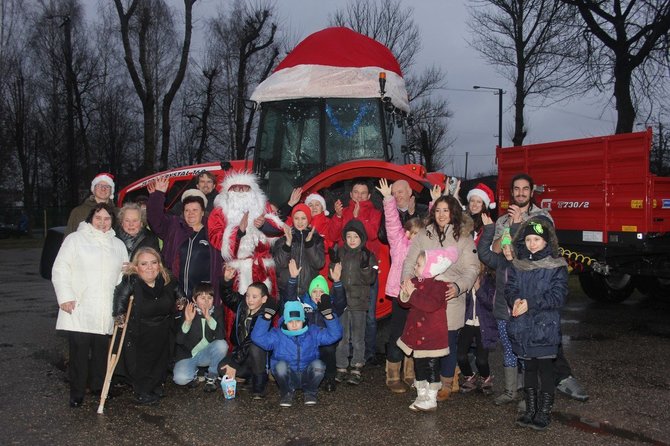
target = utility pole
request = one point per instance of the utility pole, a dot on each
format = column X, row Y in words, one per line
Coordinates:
column 73, row 173
column 465, row 177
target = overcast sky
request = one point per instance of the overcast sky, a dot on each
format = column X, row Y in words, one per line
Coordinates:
column 445, row 44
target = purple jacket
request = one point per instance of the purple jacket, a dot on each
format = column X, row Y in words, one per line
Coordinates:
column 487, row 323
column 174, row 231
column 398, row 243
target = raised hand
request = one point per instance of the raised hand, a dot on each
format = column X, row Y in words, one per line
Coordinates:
column 189, row 312
column 384, row 188
column 339, row 208
column 357, row 209
column 295, row 196
column 435, row 192
column 293, row 269
column 486, row 219
column 336, row 272
column 310, row 235
column 288, row 233
column 162, row 184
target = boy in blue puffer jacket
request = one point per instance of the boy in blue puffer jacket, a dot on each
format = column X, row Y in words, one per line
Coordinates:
column 310, row 300
column 536, row 289
column 295, row 359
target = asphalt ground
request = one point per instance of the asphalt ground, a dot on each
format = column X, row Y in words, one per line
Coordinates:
column 619, row 353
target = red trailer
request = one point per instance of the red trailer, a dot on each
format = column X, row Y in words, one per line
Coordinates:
column 612, row 215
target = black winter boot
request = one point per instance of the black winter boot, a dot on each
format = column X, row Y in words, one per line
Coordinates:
column 526, row 419
column 258, row 385
column 543, row 415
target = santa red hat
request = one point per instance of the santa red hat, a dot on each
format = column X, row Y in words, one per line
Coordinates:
column 103, row 177
column 484, row 192
column 301, row 207
column 320, row 199
column 335, row 63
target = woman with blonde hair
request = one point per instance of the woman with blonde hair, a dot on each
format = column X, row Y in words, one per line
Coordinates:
column 147, row 347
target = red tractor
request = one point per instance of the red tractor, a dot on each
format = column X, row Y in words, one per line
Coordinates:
column 333, row 110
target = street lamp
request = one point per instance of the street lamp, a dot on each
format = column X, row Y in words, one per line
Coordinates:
column 500, row 93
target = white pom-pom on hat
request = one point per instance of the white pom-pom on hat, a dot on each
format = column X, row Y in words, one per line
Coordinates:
column 320, row 199
column 484, row 192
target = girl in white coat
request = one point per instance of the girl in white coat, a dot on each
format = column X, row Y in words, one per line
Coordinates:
column 86, row 270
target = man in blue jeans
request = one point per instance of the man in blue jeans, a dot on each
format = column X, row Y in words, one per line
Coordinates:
column 295, row 359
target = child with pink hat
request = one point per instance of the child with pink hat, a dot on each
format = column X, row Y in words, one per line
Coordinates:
column 426, row 334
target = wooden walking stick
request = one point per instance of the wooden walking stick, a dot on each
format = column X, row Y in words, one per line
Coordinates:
column 113, row 357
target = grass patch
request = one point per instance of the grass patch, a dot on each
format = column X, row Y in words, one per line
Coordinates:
column 21, row 243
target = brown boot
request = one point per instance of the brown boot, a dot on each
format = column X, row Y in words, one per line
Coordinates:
column 408, row 371
column 445, row 391
column 393, row 381
column 454, row 383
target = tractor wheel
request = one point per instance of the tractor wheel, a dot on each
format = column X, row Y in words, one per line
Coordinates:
column 610, row 289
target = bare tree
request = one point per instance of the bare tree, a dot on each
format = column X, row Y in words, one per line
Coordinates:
column 529, row 42
column 139, row 22
column 391, row 24
column 245, row 45
column 627, row 43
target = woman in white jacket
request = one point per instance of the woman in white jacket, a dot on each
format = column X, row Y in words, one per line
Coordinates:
column 86, row 270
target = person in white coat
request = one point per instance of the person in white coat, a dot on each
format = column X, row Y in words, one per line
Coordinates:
column 86, row 270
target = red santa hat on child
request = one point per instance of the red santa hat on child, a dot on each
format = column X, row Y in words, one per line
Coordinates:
column 320, row 199
column 484, row 192
column 301, row 207
column 438, row 260
column 103, row 177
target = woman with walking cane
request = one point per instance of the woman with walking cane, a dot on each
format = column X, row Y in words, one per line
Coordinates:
column 87, row 268
column 146, row 349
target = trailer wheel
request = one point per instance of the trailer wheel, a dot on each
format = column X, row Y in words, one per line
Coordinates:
column 653, row 286
column 611, row 289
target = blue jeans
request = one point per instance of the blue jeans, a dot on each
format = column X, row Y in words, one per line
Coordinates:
column 185, row 370
column 448, row 363
column 371, row 323
column 290, row 380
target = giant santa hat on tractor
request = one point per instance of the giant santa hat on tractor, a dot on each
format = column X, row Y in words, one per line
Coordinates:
column 335, row 63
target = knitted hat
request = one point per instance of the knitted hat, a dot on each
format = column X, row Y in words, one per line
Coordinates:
column 194, row 193
column 301, row 207
column 439, row 260
column 319, row 282
column 536, row 228
column 320, row 199
column 293, row 311
column 103, row 177
column 484, row 192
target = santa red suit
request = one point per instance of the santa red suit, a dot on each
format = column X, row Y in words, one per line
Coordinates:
column 249, row 252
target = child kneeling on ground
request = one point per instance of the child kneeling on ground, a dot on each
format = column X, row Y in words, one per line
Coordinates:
column 295, row 359
column 200, row 339
column 426, row 334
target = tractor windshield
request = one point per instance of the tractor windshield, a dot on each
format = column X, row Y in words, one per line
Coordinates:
column 299, row 139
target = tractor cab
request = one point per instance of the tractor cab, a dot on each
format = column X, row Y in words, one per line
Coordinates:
column 301, row 138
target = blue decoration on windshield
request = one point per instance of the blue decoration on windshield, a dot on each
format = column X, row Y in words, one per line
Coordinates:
column 362, row 111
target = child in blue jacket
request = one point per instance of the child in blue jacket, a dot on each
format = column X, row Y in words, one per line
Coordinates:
column 295, row 345
column 310, row 300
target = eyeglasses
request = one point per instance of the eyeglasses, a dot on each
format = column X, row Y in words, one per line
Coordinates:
column 103, row 186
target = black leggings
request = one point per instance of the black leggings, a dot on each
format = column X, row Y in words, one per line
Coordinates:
column 465, row 338
column 398, row 319
column 427, row 369
column 545, row 369
column 327, row 355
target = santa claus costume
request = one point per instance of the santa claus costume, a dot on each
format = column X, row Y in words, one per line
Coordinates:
column 249, row 252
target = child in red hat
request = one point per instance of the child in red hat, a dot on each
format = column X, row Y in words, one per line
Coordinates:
column 301, row 243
